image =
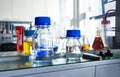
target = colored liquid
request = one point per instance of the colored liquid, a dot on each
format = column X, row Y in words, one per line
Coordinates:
column 43, row 51
column 85, row 47
column 27, row 48
column 19, row 31
column 19, row 48
column 98, row 44
column 19, row 43
column 45, row 54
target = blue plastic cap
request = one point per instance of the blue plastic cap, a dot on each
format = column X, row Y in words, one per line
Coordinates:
column 42, row 21
column 29, row 32
column 73, row 33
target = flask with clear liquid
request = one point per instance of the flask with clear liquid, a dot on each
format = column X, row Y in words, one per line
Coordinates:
column 73, row 46
column 44, row 47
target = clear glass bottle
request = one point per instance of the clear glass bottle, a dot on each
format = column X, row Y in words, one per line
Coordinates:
column 73, row 46
column 44, row 47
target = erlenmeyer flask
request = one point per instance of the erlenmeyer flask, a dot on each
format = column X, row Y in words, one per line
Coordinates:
column 86, row 45
column 98, row 43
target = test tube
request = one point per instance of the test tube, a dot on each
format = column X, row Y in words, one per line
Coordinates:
column 19, row 32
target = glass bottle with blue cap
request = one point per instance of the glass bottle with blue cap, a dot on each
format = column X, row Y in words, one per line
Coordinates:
column 27, row 45
column 44, row 47
column 73, row 46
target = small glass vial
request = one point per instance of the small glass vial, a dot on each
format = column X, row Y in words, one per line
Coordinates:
column 44, row 47
column 20, row 32
column 73, row 47
column 27, row 45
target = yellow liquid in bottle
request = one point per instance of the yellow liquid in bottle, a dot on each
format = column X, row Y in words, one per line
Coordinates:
column 85, row 47
column 27, row 48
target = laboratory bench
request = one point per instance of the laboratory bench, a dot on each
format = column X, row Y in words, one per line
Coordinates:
column 103, row 67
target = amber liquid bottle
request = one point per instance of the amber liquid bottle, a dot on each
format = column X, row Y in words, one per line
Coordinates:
column 98, row 43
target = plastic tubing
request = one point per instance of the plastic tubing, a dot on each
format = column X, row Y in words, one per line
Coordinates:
column 105, row 21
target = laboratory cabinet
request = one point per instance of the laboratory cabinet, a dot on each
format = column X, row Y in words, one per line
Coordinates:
column 52, row 71
column 26, row 10
column 39, row 8
column 106, row 68
column 110, row 70
column 16, row 10
column 22, row 10
column 5, row 9
column 79, row 72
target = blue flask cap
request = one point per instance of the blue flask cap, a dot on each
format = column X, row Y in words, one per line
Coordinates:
column 73, row 33
column 42, row 21
column 29, row 32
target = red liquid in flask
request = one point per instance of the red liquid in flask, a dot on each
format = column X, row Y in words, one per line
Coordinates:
column 19, row 31
column 98, row 44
